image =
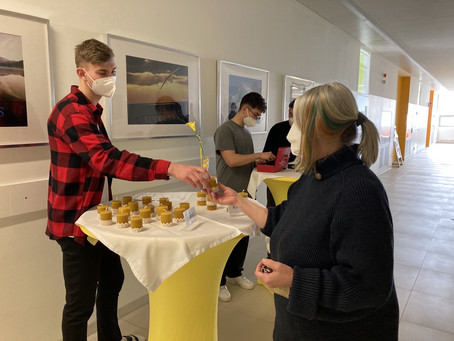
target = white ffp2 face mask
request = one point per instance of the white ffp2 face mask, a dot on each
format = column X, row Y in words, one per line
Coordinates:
column 294, row 137
column 249, row 122
column 104, row 86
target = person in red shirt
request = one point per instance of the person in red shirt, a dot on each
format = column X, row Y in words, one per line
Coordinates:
column 82, row 158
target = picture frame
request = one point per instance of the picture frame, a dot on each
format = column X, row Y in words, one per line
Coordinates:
column 235, row 81
column 293, row 88
column 26, row 87
column 157, row 90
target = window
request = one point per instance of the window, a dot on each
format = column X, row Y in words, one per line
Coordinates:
column 446, row 121
column 364, row 70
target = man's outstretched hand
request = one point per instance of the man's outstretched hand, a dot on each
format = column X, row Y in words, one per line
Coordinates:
column 195, row 176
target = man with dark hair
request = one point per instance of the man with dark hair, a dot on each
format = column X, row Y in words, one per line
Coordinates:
column 82, row 156
column 277, row 137
column 235, row 159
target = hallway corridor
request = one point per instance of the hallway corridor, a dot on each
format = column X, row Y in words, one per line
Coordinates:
column 421, row 195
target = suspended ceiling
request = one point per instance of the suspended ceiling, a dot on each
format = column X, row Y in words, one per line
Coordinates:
column 415, row 35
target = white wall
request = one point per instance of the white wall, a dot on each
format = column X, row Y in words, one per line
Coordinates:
column 417, row 117
column 443, row 106
column 280, row 36
column 381, row 86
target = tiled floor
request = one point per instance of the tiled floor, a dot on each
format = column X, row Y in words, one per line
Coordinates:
column 421, row 195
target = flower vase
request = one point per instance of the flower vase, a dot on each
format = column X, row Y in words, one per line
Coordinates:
column 205, row 163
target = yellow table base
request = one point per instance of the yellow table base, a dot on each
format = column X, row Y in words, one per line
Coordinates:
column 185, row 306
column 279, row 187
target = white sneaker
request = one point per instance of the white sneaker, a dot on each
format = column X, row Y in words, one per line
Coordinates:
column 224, row 294
column 133, row 338
column 242, row 281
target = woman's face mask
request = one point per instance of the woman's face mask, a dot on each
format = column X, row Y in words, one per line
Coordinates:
column 294, row 137
column 104, row 86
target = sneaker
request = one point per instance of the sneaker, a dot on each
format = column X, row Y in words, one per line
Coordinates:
column 224, row 294
column 133, row 338
column 242, row 281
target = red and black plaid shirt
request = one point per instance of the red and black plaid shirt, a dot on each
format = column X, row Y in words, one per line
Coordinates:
column 82, row 155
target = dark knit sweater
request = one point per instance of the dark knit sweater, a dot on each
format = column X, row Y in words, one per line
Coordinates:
column 337, row 235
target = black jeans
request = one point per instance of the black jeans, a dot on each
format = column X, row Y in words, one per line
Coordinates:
column 234, row 265
column 92, row 274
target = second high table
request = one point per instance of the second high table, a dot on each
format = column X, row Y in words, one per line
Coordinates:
column 181, row 266
column 257, row 178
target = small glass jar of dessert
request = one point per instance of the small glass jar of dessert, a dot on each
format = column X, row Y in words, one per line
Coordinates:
column 211, row 206
column 151, row 208
column 126, row 199
column 163, row 200
column 146, row 200
column 168, row 204
column 134, row 206
column 160, row 209
column 213, row 183
column 101, row 208
column 124, row 209
column 178, row 214
column 243, row 194
column 166, row 218
column 106, row 217
column 145, row 214
column 185, row 205
column 136, row 224
column 201, row 198
column 115, row 204
column 122, row 220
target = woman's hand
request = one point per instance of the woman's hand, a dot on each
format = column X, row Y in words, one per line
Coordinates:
column 226, row 196
column 279, row 275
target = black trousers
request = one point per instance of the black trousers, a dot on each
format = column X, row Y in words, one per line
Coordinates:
column 234, row 265
column 92, row 274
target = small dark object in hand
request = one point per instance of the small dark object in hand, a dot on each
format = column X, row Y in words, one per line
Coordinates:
column 266, row 269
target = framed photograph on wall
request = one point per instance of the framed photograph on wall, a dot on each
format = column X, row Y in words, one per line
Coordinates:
column 293, row 88
column 235, row 81
column 158, row 90
column 26, row 92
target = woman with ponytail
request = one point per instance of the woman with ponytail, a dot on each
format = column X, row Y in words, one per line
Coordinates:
column 332, row 239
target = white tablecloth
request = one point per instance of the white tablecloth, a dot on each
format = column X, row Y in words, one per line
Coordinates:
column 157, row 252
column 257, row 177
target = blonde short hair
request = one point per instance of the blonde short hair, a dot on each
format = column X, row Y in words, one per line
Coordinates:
column 92, row 51
column 330, row 111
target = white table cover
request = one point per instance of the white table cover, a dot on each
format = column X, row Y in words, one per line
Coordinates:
column 157, row 252
column 257, row 178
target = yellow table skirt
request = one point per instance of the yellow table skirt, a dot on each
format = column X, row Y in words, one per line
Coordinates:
column 279, row 187
column 185, row 306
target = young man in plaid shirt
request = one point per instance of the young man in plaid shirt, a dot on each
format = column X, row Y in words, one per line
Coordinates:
column 82, row 157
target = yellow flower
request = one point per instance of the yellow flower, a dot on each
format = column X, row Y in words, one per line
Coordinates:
column 203, row 160
column 192, row 125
